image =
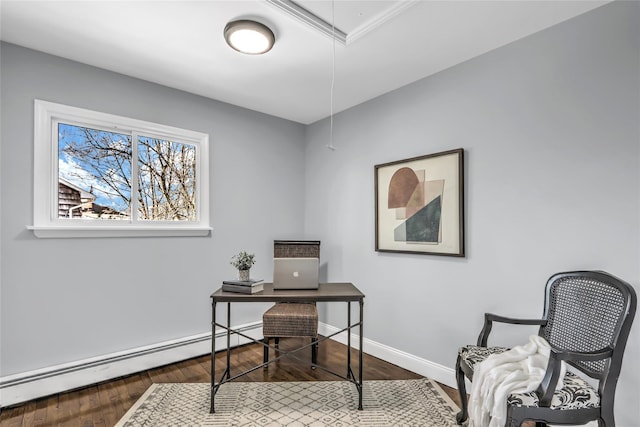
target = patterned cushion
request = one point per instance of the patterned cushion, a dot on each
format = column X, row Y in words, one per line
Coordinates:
column 473, row 354
column 576, row 393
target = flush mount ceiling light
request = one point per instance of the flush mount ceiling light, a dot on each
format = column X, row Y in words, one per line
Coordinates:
column 249, row 37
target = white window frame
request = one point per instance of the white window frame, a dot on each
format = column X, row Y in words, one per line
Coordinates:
column 46, row 223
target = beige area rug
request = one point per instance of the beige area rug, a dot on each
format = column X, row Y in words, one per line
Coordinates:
column 312, row 403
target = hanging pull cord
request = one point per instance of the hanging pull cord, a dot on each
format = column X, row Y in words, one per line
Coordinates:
column 333, row 75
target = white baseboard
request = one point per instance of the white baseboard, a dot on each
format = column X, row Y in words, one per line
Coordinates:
column 18, row 388
column 31, row 385
column 421, row 366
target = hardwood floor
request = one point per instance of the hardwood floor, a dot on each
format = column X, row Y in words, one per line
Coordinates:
column 104, row 404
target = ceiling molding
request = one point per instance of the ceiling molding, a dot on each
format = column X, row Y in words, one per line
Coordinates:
column 328, row 29
column 380, row 19
column 310, row 19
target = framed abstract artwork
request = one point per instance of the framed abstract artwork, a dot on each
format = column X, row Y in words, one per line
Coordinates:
column 419, row 205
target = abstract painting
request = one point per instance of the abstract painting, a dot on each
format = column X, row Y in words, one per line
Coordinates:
column 419, row 204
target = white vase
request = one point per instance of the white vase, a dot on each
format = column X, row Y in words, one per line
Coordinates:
column 243, row 275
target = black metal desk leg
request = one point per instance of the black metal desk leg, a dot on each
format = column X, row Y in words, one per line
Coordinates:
column 228, row 340
column 349, row 339
column 213, row 355
column 360, row 353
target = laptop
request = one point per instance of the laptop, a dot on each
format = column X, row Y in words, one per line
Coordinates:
column 295, row 273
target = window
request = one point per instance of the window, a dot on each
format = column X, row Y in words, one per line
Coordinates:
column 100, row 175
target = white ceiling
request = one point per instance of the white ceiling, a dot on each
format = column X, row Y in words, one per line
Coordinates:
column 385, row 44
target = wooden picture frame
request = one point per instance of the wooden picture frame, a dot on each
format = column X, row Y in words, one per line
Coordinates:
column 419, row 205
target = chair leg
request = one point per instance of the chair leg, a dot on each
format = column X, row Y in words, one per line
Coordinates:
column 606, row 417
column 265, row 358
column 314, row 353
column 462, row 416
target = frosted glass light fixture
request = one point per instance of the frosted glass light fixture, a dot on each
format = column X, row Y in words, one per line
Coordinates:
column 249, row 37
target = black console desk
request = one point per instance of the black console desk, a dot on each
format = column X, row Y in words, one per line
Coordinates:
column 327, row 292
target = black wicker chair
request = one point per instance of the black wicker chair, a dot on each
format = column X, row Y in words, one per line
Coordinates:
column 586, row 320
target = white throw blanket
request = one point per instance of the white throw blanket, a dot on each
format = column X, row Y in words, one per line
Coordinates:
column 518, row 370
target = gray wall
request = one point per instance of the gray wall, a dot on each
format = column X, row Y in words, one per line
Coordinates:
column 127, row 293
column 550, row 128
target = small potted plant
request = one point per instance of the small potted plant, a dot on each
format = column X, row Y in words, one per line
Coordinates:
column 243, row 262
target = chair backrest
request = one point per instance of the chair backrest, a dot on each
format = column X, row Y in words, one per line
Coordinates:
column 589, row 311
column 296, row 249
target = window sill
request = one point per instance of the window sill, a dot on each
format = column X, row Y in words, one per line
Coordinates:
column 62, row 232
